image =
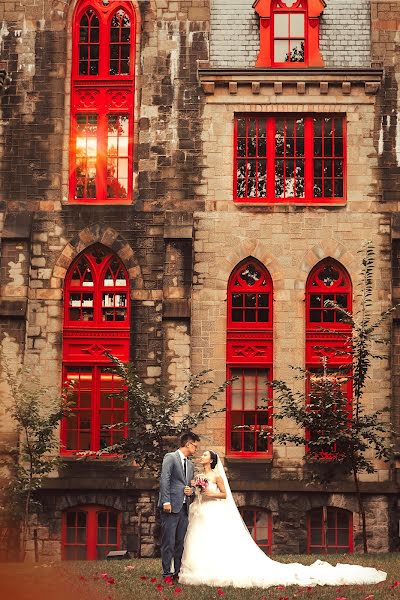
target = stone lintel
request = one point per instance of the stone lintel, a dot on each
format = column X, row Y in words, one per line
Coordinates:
column 13, row 307
column 176, row 308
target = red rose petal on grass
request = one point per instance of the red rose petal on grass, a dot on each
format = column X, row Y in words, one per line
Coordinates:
column 220, row 592
column 341, row 598
column 369, row 597
column 178, row 590
column 159, row 587
column 82, row 578
column 153, row 580
column 395, row 584
column 280, row 587
column 143, row 577
column 168, row 579
column 110, row 581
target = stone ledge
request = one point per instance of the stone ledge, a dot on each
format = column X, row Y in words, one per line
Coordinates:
column 13, row 307
column 280, row 485
column 277, row 79
column 176, row 308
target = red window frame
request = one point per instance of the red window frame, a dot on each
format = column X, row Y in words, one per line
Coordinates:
column 106, row 302
column 102, row 106
column 312, row 10
column 327, row 334
column 249, row 356
column 94, row 407
column 96, row 286
column 251, row 517
column 83, row 530
column 347, row 389
column 324, row 522
column 291, row 158
column 280, row 9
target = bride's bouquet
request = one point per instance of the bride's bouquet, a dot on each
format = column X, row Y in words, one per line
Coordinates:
column 200, row 483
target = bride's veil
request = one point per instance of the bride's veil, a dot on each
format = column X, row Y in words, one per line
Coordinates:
column 230, row 502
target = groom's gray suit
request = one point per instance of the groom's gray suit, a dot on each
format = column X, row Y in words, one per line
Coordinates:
column 174, row 524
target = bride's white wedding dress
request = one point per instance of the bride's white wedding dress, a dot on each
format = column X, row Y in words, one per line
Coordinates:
column 220, row 551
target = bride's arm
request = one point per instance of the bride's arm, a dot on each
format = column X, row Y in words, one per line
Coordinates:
column 221, row 487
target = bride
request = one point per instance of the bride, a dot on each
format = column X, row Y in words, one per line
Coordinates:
column 220, row 551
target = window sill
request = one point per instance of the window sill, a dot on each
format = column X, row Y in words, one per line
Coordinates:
column 319, row 203
column 248, row 459
column 95, row 202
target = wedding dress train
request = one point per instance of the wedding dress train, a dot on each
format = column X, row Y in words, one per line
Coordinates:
column 219, row 551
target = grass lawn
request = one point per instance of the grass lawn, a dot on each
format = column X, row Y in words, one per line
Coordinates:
column 140, row 580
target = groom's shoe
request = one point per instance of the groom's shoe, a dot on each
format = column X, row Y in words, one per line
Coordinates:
column 175, row 577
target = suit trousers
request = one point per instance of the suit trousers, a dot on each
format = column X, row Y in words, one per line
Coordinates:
column 173, row 531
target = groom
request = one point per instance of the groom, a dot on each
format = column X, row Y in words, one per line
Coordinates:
column 176, row 473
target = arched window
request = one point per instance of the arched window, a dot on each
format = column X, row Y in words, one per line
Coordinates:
column 289, row 33
column 327, row 330
column 102, row 102
column 96, row 320
column 329, row 531
column 259, row 524
column 90, row 532
column 249, row 358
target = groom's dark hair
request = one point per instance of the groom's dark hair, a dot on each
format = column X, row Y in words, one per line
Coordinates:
column 188, row 436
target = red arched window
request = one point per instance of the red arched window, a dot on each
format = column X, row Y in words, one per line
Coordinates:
column 327, row 330
column 289, row 33
column 96, row 320
column 249, row 358
column 102, row 102
column 90, row 532
column 259, row 524
column 329, row 531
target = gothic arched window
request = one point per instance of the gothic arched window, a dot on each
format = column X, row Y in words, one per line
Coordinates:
column 96, row 320
column 102, row 102
column 249, row 358
column 327, row 333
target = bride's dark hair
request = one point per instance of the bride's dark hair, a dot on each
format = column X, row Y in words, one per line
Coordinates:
column 214, row 459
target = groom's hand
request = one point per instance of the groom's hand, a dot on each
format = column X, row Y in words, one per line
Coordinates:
column 188, row 491
column 167, row 507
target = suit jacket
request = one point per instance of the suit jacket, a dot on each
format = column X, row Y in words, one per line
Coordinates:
column 173, row 482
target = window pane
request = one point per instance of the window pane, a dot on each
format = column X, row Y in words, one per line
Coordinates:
column 281, row 25
column 296, row 50
column 85, row 155
column 297, row 25
column 281, row 51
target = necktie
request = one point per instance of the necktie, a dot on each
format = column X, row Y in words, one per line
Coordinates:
column 184, row 466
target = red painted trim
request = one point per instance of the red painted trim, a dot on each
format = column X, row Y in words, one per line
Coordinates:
column 312, row 10
column 91, row 535
column 310, row 160
column 249, row 348
column 84, row 344
column 102, row 94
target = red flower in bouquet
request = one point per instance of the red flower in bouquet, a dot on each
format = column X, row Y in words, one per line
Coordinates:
column 200, row 482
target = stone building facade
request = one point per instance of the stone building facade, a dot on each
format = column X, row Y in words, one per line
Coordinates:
column 184, row 229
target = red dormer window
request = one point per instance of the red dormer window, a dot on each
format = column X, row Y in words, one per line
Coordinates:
column 289, row 33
